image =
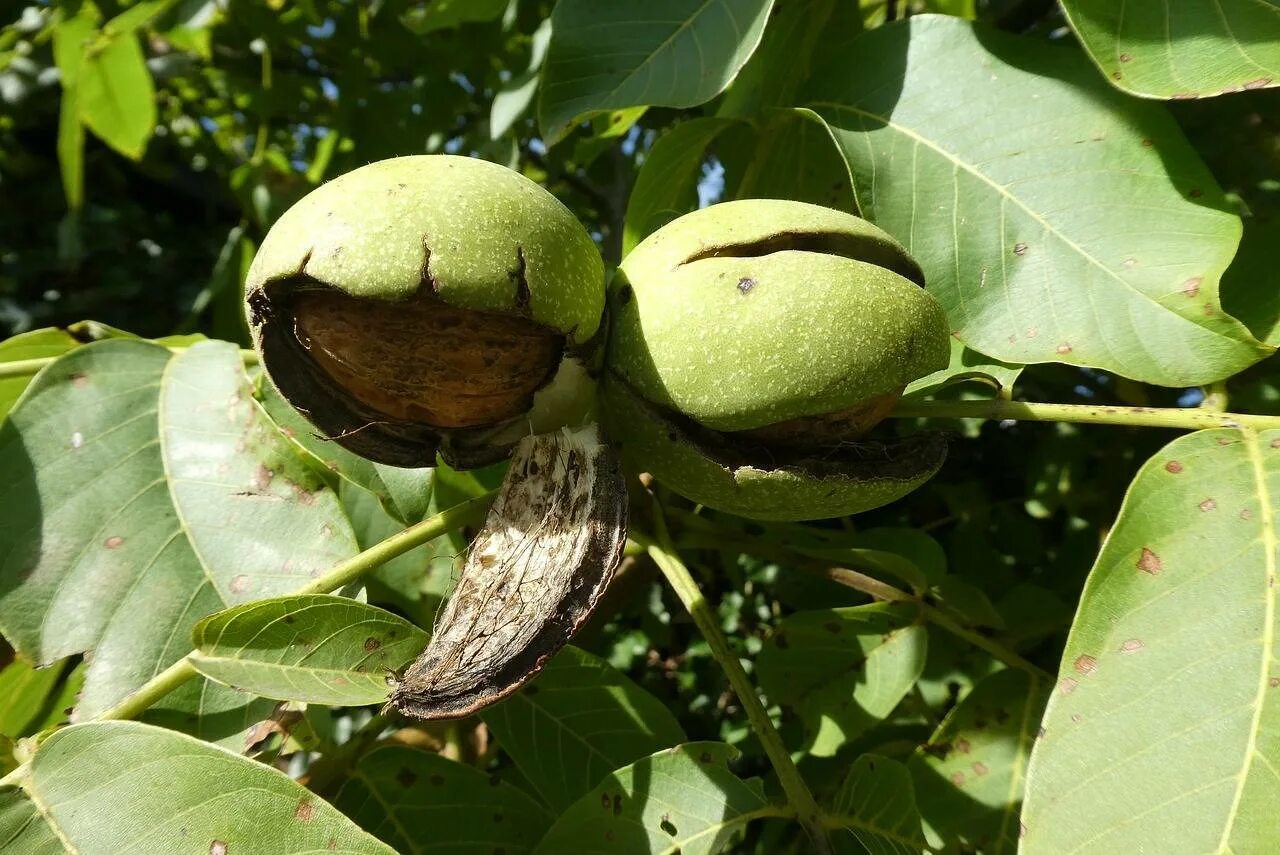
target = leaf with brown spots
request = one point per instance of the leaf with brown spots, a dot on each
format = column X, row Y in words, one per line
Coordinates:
column 139, row 471
column 703, row 802
column 160, row 791
column 1191, row 50
column 1169, row 667
column 974, row 795
column 418, row 801
column 984, row 213
column 316, row 648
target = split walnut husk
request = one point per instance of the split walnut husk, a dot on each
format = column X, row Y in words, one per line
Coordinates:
column 548, row 550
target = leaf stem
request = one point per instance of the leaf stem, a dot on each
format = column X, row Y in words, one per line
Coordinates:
column 1097, row 414
column 799, row 797
column 28, row 367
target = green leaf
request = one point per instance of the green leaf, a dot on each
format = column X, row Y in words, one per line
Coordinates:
column 432, row 15
column 213, row 713
column 516, row 95
column 144, row 490
column 966, row 366
column 683, row 800
column 876, row 809
column 117, row 98
column 1251, row 288
column 667, row 184
column 1085, row 231
column 1159, row 50
column 25, row 690
column 319, row 649
column 1162, row 732
column 405, row 494
column 153, row 790
column 795, row 157
column 69, row 39
column 576, row 722
column 843, row 670
column 781, row 62
column 631, row 53
column 969, row 775
column 37, row 344
column 22, row 829
column 417, row 801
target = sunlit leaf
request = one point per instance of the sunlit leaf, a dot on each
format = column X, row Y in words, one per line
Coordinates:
column 131, row 476
column 116, row 95
column 1181, row 50
column 1163, row 731
column 153, row 790
column 843, row 670
column 25, row 691
column 576, row 722
column 627, row 53
column 319, row 649
column 969, row 775
column 1086, row 231
column 417, row 802
column 37, row 344
column 683, row 799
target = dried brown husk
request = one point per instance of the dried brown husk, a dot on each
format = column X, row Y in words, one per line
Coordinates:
column 549, row 547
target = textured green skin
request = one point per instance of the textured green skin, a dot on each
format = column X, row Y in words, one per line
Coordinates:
column 816, row 333
column 645, row 438
column 366, row 233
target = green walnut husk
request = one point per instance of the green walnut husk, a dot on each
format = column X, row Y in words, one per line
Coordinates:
column 428, row 304
column 753, row 345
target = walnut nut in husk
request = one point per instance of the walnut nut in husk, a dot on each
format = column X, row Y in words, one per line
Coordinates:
column 424, row 304
column 753, row 347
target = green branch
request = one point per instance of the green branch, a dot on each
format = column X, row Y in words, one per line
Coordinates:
column 1094, row 414
column 799, row 797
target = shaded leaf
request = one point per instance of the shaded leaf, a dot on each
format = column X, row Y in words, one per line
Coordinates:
column 316, row 648
column 213, row 713
column 1251, row 288
column 666, row 186
column 628, row 53
column 1163, row 731
column 132, row 475
column 37, row 344
column 418, row 801
column 153, row 790
column 431, row 15
column 796, row 158
column 116, row 96
column 1159, row 50
column 966, row 365
column 969, row 775
column 781, row 62
column 576, row 722
column 875, row 809
column 683, row 799
column 25, row 691
column 22, row 829
column 843, row 670
column 1124, row 276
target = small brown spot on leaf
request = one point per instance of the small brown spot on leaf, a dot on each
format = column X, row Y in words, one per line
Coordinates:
column 957, row 778
column 1275, row 443
column 1019, row 249
column 962, row 745
column 1133, row 645
column 340, row 681
column 1246, row 514
column 1149, row 562
column 262, row 477
column 980, row 769
column 217, row 847
column 1124, row 57
column 1208, row 505
column 745, row 284
column 1085, row 664
column 406, row 777
column 1146, row 143
column 1064, row 348
column 605, row 801
column 113, row 542
column 668, row 826
column 371, row 644
column 1068, row 685
column 1115, row 75
column 617, row 805
column 1173, row 466
column 1260, row 83
column 239, row 584
column 1032, row 332
column 1076, row 718
column 1192, row 286
column 1274, row 682
column 79, row 380
column 1208, row 310
column 306, row 810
